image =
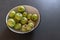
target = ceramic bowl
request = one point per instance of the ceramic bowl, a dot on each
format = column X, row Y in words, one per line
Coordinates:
column 29, row 9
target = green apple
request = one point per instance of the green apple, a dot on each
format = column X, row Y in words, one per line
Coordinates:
column 34, row 17
column 24, row 20
column 23, row 28
column 29, row 16
column 12, row 14
column 24, row 14
column 17, row 21
column 31, row 24
column 21, row 9
column 11, row 22
column 28, row 28
column 17, row 26
column 18, row 16
column 30, row 21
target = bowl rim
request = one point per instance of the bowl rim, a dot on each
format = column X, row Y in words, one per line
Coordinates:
column 19, row 31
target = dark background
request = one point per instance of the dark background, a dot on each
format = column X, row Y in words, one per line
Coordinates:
column 49, row 27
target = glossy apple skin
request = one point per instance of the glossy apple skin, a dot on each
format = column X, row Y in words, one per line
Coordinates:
column 21, row 9
column 24, row 20
column 18, row 16
column 31, row 24
column 29, row 16
column 17, row 26
column 28, row 28
column 23, row 28
column 24, row 14
column 34, row 17
column 11, row 22
column 12, row 14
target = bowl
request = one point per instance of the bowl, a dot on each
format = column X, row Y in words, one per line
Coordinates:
column 29, row 9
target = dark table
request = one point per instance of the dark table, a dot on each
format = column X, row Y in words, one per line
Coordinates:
column 49, row 27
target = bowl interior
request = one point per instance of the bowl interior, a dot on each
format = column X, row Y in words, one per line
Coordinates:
column 29, row 9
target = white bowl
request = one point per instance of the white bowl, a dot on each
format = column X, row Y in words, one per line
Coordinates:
column 29, row 9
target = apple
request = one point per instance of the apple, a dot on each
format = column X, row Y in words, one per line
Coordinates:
column 23, row 28
column 24, row 14
column 28, row 28
column 31, row 24
column 17, row 26
column 18, row 16
column 34, row 17
column 30, row 21
column 21, row 9
column 11, row 22
column 29, row 16
column 24, row 20
column 12, row 14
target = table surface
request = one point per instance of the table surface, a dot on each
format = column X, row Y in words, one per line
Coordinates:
column 49, row 27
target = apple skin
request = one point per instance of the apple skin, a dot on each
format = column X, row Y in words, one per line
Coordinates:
column 24, row 14
column 18, row 16
column 23, row 28
column 12, row 14
column 24, row 20
column 31, row 24
column 28, row 28
column 34, row 17
column 29, row 16
column 21, row 9
column 11, row 22
column 17, row 26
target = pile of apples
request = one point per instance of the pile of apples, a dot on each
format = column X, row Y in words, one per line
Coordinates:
column 21, row 20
